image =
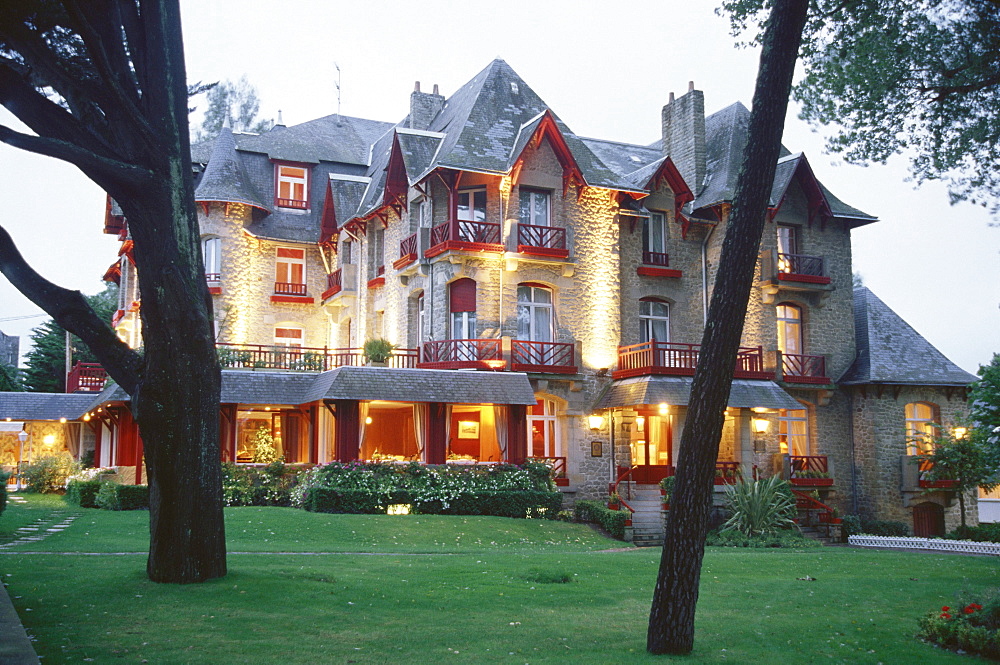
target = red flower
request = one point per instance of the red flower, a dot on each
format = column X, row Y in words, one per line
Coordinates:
column 945, row 615
column 945, row 608
column 972, row 607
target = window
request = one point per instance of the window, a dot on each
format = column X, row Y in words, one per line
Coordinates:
column 789, row 329
column 922, row 424
column 654, row 236
column 290, row 271
column 534, row 207
column 292, row 187
column 211, row 248
column 793, row 431
column 420, row 215
column 654, row 320
column 376, row 266
column 290, row 335
column 543, row 430
column 462, row 297
column 345, row 253
column 788, row 246
column 472, row 205
column 421, row 321
column 534, row 313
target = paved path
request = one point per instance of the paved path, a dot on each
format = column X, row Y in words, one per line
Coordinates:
column 15, row 647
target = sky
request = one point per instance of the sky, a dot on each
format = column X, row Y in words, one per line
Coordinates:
column 605, row 72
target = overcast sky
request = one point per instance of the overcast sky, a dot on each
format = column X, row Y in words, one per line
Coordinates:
column 605, row 69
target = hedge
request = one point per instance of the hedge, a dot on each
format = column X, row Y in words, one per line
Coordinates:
column 612, row 521
column 83, row 492
column 113, row 496
column 496, row 503
column 3, row 490
column 854, row 525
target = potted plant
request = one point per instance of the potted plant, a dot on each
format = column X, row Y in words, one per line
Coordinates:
column 613, row 501
column 667, row 491
column 378, row 351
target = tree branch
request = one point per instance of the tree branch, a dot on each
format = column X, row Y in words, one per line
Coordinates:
column 71, row 311
column 108, row 173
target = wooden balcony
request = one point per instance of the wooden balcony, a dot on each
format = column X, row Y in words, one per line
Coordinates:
column 334, row 283
column 552, row 357
column 465, row 236
column 290, row 292
column 86, row 378
column 407, row 252
column 674, row 359
column 547, row 241
column 809, row 471
column 727, row 473
column 802, row 268
column 797, row 368
column 462, row 354
column 302, row 359
column 925, row 481
column 291, row 203
column 656, row 264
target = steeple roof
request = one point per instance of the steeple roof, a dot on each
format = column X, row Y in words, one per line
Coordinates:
column 225, row 180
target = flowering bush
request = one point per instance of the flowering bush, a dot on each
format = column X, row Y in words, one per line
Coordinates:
column 970, row 626
column 369, row 487
column 48, row 473
column 270, row 485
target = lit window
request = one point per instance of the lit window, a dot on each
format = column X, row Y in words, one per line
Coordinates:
column 793, row 432
column 788, row 247
column 289, row 335
column 543, row 430
column 534, row 313
column 290, row 271
column 654, row 320
column 789, row 329
column 292, row 187
column 211, row 249
column 922, row 426
column 534, row 207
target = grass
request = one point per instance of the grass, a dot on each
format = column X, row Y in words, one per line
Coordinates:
column 461, row 589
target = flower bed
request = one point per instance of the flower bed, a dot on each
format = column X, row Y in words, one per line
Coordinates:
column 503, row 490
column 970, row 626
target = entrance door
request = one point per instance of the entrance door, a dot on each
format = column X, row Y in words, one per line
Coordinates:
column 928, row 520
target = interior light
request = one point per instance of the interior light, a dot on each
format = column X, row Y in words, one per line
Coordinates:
column 959, row 432
column 640, row 422
column 368, row 420
column 664, row 409
column 49, row 439
column 596, row 422
column 62, row 420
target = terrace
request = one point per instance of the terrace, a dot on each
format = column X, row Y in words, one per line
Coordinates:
column 675, row 359
column 465, row 235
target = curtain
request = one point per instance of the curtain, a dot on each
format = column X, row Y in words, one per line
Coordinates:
column 73, row 439
column 500, row 420
column 487, row 435
column 420, row 427
column 362, row 425
column 447, row 428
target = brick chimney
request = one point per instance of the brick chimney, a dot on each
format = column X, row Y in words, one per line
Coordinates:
column 424, row 107
column 684, row 136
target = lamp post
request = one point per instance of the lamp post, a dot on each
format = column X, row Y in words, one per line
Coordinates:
column 22, row 436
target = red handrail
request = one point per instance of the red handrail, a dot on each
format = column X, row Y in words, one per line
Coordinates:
column 615, row 490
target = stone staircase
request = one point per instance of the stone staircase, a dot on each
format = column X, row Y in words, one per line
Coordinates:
column 647, row 520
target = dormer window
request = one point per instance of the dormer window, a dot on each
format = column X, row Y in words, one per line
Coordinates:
column 291, row 187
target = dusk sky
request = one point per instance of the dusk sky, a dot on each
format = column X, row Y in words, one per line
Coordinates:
column 605, row 72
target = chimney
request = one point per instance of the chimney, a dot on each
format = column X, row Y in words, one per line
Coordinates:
column 684, row 136
column 424, row 107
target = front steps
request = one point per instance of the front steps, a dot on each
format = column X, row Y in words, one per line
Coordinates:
column 647, row 520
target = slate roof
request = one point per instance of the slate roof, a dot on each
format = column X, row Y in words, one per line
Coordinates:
column 225, row 179
column 891, row 352
column 676, row 391
column 44, row 406
column 418, row 151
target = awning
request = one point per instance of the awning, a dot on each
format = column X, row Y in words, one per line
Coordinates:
column 425, row 385
column 13, row 426
column 676, row 391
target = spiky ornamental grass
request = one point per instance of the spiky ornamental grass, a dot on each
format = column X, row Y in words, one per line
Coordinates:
column 760, row 507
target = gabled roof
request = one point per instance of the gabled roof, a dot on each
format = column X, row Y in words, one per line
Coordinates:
column 418, row 149
column 891, row 352
column 44, row 406
column 225, row 179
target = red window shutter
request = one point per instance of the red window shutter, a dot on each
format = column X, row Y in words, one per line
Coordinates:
column 463, row 295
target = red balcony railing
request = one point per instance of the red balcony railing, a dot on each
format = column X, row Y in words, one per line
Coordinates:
column 545, row 240
column 727, row 473
column 797, row 368
column 462, row 354
column 676, row 359
column 301, row 358
column 555, row 357
column 927, row 482
column 291, row 203
column 86, row 378
column 472, row 236
column 408, row 249
column 213, row 277
column 440, row 234
column 333, row 280
column 809, row 470
column 656, row 259
column 289, row 289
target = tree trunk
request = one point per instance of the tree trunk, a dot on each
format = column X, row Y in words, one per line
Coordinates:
column 671, row 619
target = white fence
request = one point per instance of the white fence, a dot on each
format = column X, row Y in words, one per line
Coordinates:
column 940, row 544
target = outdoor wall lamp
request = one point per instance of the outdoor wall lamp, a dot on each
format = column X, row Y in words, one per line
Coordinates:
column 760, row 425
column 596, row 422
column 959, row 432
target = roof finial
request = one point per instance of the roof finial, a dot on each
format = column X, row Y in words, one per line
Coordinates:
column 280, row 121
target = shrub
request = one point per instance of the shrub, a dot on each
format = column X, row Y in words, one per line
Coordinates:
column 113, row 496
column 760, row 507
column 3, row 490
column 786, row 538
column 972, row 625
column 48, row 473
column 984, row 533
column 378, row 350
column 258, row 486
column 83, row 492
column 612, row 521
column 854, row 525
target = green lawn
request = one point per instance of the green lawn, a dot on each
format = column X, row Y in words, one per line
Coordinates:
column 426, row 589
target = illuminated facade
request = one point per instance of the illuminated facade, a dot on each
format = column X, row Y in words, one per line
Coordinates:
column 485, row 240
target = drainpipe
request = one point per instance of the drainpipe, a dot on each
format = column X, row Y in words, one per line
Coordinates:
column 704, row 273
column 613, row 466
column 854, row 464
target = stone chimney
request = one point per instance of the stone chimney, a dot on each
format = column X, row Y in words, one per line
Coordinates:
column 684, row 136
column 424, row 107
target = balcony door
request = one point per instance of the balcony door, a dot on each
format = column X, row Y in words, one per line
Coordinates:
column 534, row 313
column 462, row 296
column 789, row 329
column 471, row 210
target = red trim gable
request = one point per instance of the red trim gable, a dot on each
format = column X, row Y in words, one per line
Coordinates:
column 396, row 182
column 818, row 205
column 328, row 222
column 668, row 172
column 547, row 129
